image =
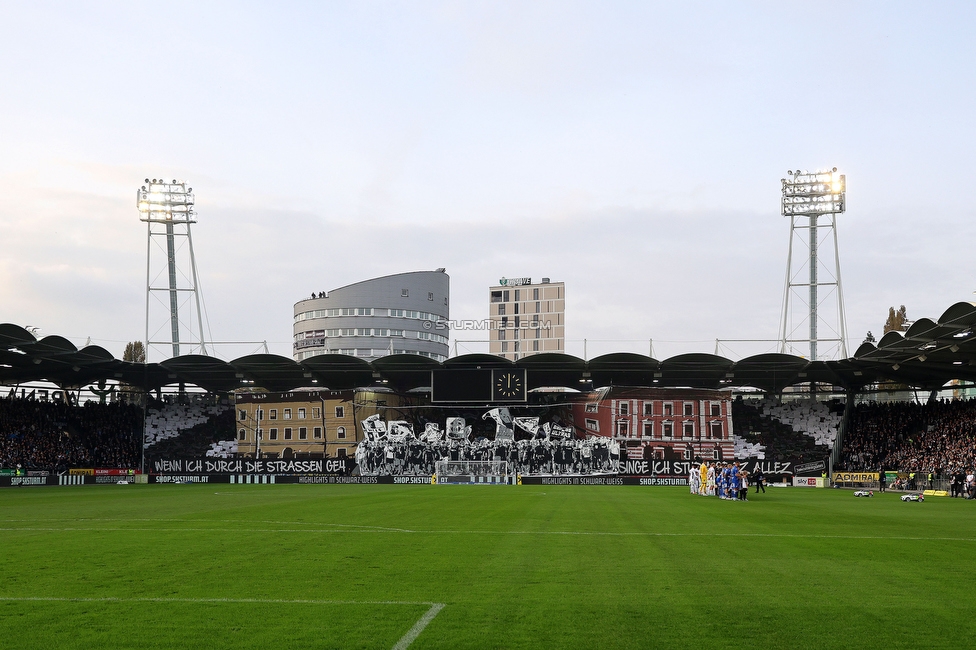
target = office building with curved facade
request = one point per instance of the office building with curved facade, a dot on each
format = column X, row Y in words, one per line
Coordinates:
column 406, row 313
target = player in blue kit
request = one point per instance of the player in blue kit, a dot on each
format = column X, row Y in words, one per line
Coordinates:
column 734, row 479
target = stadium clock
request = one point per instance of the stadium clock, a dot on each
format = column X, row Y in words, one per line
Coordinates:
column 508, row 386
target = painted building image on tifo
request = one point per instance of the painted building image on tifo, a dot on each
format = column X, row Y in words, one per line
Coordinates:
column 660, row 424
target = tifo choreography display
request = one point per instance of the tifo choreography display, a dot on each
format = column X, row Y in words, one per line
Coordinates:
column 609, row 436
column 392, row 448
column 657, row 435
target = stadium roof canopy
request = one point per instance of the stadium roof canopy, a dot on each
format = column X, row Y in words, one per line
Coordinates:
column 928, row 355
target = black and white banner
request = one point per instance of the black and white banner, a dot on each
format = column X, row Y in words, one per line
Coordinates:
column 27, row 481
column 769, row 467
column 811, row 469
column 268, row 479
column 65, row 479
column 603, row 480
column 681, row 468
column 334, row 466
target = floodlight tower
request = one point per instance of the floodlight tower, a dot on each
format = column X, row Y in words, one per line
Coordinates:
column 808, row 196
column 167, row 209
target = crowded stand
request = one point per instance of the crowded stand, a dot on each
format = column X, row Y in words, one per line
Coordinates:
column 222, row 449
column 938, row 437
column 169, row 419
column 818, row 420
column 771, row 429
column 190, row 426
column 907, row 437
column 55, row 436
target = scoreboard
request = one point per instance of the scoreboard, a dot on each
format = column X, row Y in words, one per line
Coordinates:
column 480, row 385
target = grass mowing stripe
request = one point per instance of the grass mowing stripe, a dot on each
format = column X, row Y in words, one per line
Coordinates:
column 210, row 522
column 404, row 642
column 200, row 521
column 268, row 601
column 487, row 532
column 586, row 567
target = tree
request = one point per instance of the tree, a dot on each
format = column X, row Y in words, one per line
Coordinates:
column 897, row 320
column 869, row 339
column 135, row 352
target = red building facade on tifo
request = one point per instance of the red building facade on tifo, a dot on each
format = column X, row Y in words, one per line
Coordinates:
column 660, row 423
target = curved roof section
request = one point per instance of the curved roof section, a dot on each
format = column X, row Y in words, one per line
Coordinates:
column 50, row 346
column 624, row 369
column 769, row 372
column 928, row 355
column 14, row 335
column 698, row 370
column 403, row 372
column 960, row 314
column 377, row 279
column 208, row 373
column 630, row 359
column 478, row 360
column 339, row 371
column 550, row 369
column 926, row 329
column 273, row 372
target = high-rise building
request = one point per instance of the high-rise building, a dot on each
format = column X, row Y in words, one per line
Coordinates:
column 406, row 313
column 526, row 318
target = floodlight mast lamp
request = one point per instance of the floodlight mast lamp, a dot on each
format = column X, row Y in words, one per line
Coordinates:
column 811, row 195
column 169, row 207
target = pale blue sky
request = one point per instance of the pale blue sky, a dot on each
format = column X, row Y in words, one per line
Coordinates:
column 328, row 143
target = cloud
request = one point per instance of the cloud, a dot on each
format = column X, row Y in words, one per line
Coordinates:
column 631, row 151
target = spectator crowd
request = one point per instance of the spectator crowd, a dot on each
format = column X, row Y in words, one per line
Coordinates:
column 57, row 436
column 939, row 437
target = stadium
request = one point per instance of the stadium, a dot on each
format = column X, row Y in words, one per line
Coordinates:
column 368, row 540
column 395, row 470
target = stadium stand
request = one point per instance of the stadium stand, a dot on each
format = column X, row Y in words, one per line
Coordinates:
column 785, row 431
column 55, row 436
column 223, row 449
column 190, row 428
column 165, row 420
column 911, row 437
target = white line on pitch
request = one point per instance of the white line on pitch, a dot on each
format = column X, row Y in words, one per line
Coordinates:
column 418, row 627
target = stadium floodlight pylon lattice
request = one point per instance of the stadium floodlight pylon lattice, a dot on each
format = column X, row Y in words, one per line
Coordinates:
column 171, row 268
column 473, row 472
column 812, row 201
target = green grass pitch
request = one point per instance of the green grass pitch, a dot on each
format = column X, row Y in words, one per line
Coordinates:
column 352, row 566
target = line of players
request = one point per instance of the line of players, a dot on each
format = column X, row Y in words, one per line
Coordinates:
column 724, row 480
